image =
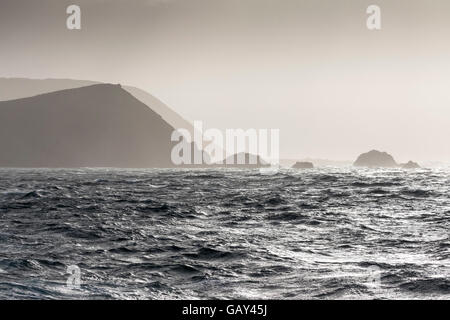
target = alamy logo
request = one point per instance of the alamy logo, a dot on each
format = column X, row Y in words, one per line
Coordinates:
column 74, row 280
column 374, row 20
column 74, row 20
column 214, row 147
column 374, row 278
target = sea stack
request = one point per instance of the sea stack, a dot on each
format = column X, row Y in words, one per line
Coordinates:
column 410, row 165
column 375, row 159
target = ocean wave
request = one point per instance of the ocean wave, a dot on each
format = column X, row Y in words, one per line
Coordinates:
column 224, row 233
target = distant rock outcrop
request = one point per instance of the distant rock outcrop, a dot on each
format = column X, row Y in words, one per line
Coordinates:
column 410, row 165
column 303, row 165
column 375, row 159
column 242, row 160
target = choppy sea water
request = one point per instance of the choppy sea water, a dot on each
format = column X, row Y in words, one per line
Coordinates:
column 170, row 234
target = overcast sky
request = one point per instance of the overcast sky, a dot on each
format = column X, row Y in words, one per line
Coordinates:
column 310, row 68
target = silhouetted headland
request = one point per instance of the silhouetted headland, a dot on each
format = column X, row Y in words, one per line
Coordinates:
column 18, row 88
column 95, row 126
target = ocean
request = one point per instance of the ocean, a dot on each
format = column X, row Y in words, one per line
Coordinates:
column 325, row 233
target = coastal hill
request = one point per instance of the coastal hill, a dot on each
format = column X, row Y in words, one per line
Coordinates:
column 18, row 88
column 95, row 126
column 170, row 116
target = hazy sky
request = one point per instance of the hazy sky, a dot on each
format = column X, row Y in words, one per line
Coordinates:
column 310, row 68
